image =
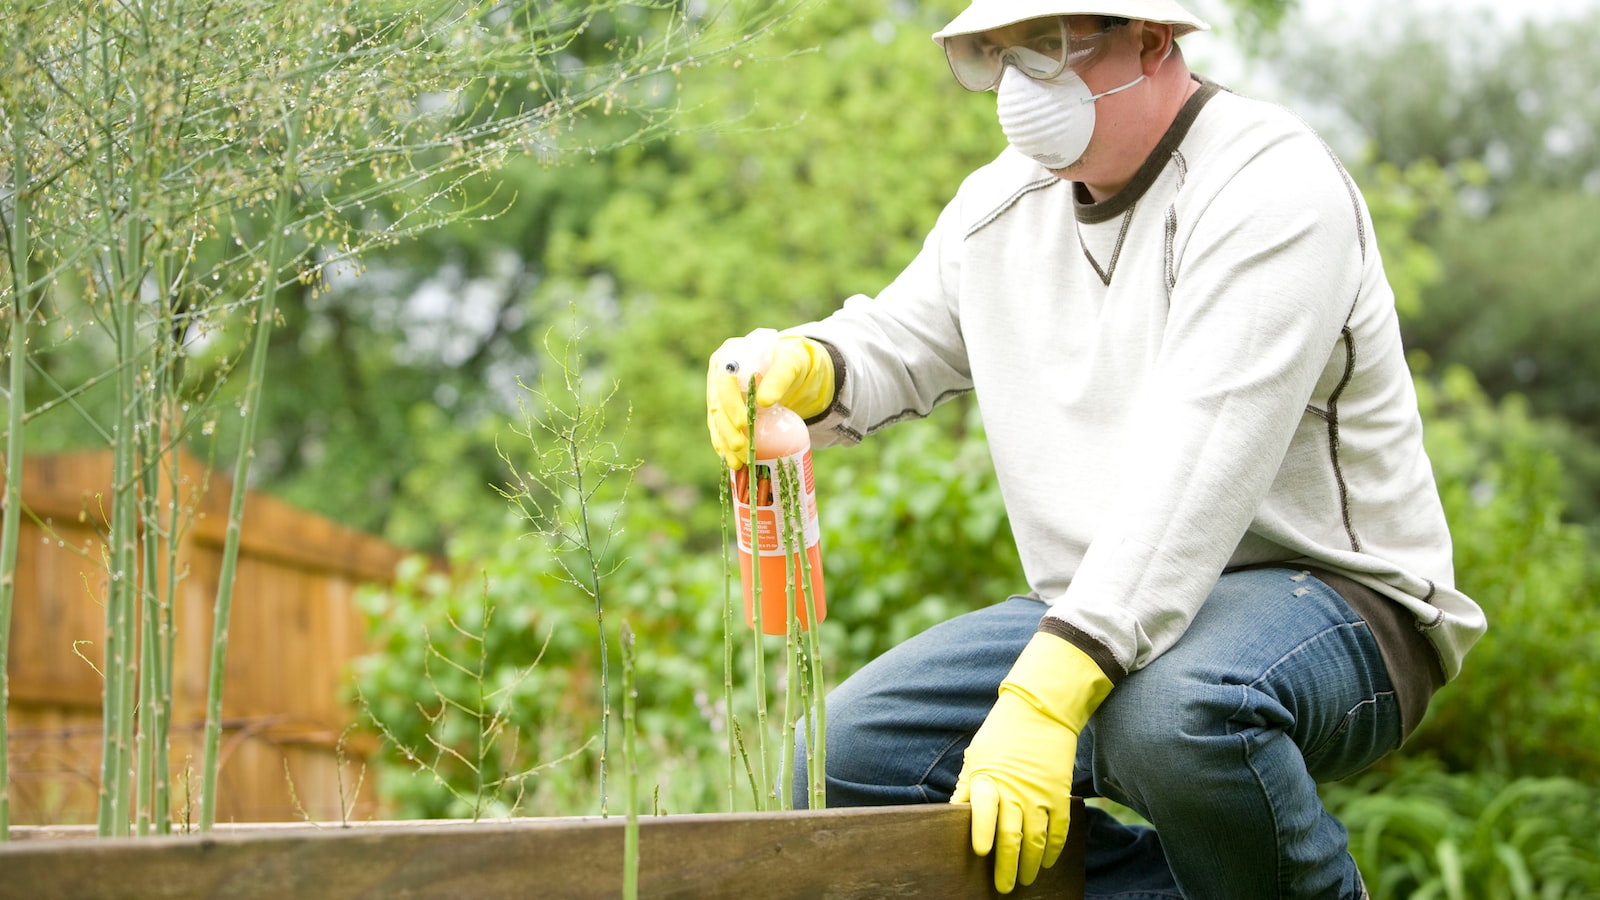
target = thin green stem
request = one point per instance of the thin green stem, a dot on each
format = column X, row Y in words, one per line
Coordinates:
column 786, row 493
column 161, row 797
column 149, row 644
column 753, row 491
column 266, row 312
column 630, row 765
column 724, row 495
column 817, row 708
column 587, row 545
column 744, row 754
column 480, row 798
column 18, row 234
column 817, row 713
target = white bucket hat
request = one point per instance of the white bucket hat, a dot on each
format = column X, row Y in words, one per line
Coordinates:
column 984, row 15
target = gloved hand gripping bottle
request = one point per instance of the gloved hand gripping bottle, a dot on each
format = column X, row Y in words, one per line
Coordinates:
column 782, row 463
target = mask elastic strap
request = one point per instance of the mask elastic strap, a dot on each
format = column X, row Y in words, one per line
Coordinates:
column 1093, row 97
column 1164, row 58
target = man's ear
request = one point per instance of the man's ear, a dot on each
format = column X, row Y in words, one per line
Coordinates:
column 1155, row 45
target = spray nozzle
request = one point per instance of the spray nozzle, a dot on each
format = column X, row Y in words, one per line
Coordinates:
column 749, row 356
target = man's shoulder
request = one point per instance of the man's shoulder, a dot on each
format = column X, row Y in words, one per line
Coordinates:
column 1240, row 142
column 995, row 187
column 1243, row 128
column 1258, row 160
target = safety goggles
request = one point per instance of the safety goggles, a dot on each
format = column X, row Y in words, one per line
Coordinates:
column 1039, row 48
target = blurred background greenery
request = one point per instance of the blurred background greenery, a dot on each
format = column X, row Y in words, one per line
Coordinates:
column 810, row 171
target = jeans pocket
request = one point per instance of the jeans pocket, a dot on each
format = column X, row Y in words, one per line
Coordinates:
column 1369, row 732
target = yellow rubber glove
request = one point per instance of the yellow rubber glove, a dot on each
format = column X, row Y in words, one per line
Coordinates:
column 1018, row 771
column 800, row 377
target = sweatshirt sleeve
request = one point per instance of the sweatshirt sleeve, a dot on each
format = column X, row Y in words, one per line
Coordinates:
column 901, row 353
column 1263, row 287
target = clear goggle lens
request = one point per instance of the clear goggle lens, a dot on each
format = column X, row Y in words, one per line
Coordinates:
column 1041, row 49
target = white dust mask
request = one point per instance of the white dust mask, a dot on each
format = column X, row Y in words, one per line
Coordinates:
column 1049, row 121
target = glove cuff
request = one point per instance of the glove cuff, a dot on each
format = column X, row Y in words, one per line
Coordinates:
column 1059, row 680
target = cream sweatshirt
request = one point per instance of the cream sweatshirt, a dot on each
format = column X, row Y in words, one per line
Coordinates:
column 1202, row 372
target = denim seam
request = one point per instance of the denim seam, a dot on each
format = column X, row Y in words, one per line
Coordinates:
column 922, row 780
column 1244, row 743
column 1261, row 785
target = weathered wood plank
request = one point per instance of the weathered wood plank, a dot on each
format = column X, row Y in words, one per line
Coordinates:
column 907, row 851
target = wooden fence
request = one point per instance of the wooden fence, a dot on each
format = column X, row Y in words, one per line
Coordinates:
column 293, row 632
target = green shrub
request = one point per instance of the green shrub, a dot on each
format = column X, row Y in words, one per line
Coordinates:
column 1420, row 832
column 914, row 532
column 479, row 655
column 1525, row 702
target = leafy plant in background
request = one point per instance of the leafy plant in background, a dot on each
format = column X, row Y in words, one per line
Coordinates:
column 472, row 749
column 1422, row 832
column 1525, row 702
column 566, row 487
column 571, row 495
column 512, row 651
column 671, row 596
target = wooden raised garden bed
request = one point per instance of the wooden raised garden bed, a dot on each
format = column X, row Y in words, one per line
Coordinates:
column 907, row 851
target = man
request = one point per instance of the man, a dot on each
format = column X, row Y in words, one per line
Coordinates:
column 1168, row 301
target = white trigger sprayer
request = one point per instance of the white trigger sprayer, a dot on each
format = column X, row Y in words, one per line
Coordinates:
column 784, row 486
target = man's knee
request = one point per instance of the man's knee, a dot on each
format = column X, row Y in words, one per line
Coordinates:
column 1160, row 734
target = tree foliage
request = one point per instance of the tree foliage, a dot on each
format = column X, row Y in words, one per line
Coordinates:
column 1518, row 301
column 1516, row 100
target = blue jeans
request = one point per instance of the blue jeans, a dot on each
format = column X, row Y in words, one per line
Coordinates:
column 1219, row 743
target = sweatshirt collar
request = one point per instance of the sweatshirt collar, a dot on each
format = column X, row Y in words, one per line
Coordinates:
column 1091, row 213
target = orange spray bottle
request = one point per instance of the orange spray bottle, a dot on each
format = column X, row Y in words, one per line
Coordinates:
column 782, row 471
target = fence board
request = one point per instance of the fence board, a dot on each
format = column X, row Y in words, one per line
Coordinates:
column 44, row 660
column 294, row 630
column 55, row 761
column 905, row 851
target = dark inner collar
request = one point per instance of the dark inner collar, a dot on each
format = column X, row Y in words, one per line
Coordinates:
column 1090, row 212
